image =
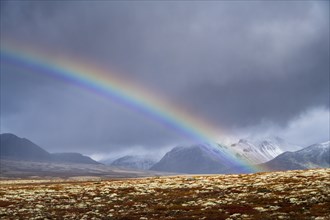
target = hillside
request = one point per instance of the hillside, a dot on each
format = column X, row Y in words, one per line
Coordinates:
column 314, row 156
column 15, row 148
column 303, row 194
column 190, row 159
column 259, row 151
column 198, row 159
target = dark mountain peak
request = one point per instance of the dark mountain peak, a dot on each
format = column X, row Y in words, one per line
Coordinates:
column 13, row 147
column 185, row 148
column 8, row 136
column 190, row 159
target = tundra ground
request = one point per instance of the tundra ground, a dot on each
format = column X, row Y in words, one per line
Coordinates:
column 303, row 194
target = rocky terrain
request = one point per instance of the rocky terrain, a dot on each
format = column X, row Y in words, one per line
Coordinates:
column 303, row 194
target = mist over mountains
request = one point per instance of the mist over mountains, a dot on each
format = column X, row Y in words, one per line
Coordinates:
column 267, row 154
column 134, row 162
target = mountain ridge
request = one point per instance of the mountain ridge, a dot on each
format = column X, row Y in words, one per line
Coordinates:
column 313, row 156
column 192, row 159
column 259, row 151
column 205, row 159
column 13, row 147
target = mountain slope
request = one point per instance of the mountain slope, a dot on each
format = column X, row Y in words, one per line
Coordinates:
column 134, row 162
column 314, row 156
column 193, row 159
column 207, row 159
column 261, row 151
column 15, row 148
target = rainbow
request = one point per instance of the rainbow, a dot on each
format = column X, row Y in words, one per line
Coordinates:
column 125, row 93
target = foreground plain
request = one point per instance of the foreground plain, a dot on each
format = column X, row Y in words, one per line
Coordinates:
column 303, row 194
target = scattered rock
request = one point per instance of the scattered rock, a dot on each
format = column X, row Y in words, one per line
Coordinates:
column 277, row 195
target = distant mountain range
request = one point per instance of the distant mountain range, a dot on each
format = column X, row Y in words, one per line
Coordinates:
column 201, row 159
column 21, row 158
column 268, row 154
column 16, row 148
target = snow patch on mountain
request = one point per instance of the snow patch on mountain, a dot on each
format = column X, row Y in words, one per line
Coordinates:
column 314, row 156
column 260, row 150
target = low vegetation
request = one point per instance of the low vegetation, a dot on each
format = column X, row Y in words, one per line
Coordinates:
column 275, row 195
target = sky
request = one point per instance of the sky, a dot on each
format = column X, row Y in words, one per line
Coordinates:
column 249, row 68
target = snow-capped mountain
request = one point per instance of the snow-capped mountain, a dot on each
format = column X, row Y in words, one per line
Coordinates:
column 202, row 158
column 193, row 159
column 261, row 151
column 134, row 162
column 314, row 156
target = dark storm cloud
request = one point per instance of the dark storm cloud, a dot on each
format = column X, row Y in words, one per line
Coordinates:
column 233, row 63
column 302, row 81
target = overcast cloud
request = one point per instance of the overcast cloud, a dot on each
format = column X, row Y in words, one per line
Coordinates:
column 249, row 67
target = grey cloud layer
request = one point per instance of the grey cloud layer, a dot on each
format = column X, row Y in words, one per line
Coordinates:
column 233, row 63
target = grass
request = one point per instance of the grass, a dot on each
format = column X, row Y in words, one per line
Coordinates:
column 254, row 196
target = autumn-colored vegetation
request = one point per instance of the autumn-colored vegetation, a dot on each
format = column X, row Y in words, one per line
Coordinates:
column 275, row 195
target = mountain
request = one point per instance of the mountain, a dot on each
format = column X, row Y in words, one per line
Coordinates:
column 16, row 148
column 20, row 158
column 72, row 158
column 195, row 159
column 134, row 162
column 260, row 151
column 205, row 159
column 314, row 156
